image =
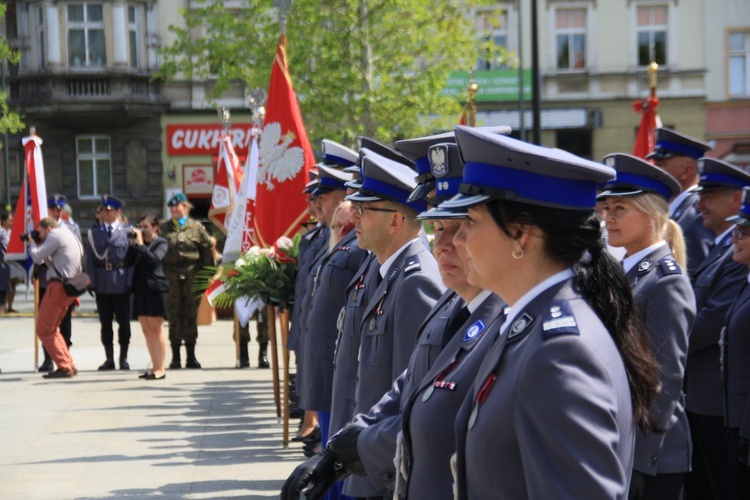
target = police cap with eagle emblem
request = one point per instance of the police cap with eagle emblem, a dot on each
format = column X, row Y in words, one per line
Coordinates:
column 718, row 174
column 503, row 168
column 742, row 218
column 56, row 201
column 636, row 176
column 367, row 144
column 331, row 179
column 671, row 143
column 448, row 170
column 386, row 180
column 337, row 155
column 416, row 150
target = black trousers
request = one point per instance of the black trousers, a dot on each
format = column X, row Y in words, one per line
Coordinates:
column 739, row 473
column 65, row 327
column 115, row 306
column 709, row 477
column 659, row 487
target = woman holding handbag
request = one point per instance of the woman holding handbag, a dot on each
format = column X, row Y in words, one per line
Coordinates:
column 150, row 291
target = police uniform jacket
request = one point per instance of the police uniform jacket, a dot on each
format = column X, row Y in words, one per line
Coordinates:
column 304, row 259
column 390, row 323
column 666, row 306
column 61, row 252
column 698, row 238
column 557, row 421
column 737, row 359
column 345, row 361
column 188, row 249
column 336, row 271
column 109, row 260
column 377, row 441
column 716, row 284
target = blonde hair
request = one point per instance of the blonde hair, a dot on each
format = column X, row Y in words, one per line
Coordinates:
column 656, row 207
column 333, row 240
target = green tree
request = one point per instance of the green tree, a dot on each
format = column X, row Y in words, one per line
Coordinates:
column 359, row 67
column 10, row 121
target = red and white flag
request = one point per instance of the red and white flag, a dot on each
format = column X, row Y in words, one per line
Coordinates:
column 32, row 201
column 226, row 183
column 285, row 157
column 241, row 227
column 645, row 140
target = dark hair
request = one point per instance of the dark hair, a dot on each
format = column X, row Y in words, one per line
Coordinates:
column 4, row 217
column 573, row 238
column 151, row 219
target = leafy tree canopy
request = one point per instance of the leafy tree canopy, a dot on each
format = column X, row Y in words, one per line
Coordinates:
column 10, row 121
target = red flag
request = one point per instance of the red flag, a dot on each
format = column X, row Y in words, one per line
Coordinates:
column 284, row 160
column 464, row 118
column 644, row 140
column 32, row 200
column 226, row 184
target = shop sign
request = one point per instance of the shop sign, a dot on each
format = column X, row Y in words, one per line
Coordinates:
column 203, row 139
column 198, row 180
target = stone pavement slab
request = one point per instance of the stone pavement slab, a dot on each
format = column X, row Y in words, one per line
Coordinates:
column 198, row 434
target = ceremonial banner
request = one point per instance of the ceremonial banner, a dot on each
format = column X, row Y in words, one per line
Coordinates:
column 226, row 184
column 644, row 140
column 285, row 157
column 32, row 200
column 240, row 229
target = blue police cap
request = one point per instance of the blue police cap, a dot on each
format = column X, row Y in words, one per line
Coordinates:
column 636, row 176
column 669, row 143
column 742, row 218
column 331, row 179
column 310, row 187
column 447, row 168
column 56, row 200
column 115, row 203
column 337, row 155
column 500, row 167
column 386, row 180
column 416, row 150
column 717, row 174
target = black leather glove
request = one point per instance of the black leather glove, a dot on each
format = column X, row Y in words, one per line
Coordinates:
column 743, row 450
column 318, row 472
column 344, row 447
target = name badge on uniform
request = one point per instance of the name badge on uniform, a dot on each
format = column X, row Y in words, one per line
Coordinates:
column 373, row 324
column 474, row 330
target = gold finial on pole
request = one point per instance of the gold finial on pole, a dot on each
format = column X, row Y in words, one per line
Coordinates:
column 224, row 116
column 472, row 90
column 653, row 68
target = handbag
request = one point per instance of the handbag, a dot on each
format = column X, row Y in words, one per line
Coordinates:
column 75, row 286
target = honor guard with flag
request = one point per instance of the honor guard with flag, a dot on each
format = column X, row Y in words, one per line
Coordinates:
column 189, row 249
column 55, row 204
column 678, row 154
column 717, row 282
column 109, row 263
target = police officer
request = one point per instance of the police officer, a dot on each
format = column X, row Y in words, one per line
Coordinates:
column 678, row 154
column 109, row 263
column 637, row 216
column 716, row 282
column 736, row 367
column 550, row 412
column 55, row 204
column 189, row 250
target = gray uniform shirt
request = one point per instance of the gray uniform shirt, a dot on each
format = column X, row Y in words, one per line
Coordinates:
column 62, row 253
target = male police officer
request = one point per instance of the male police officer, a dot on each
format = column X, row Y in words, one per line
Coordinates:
column 109, row 262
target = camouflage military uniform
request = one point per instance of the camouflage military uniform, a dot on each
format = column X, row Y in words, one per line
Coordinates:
column 188, row 252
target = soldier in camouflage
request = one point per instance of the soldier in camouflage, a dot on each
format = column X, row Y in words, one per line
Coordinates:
column 188, row 252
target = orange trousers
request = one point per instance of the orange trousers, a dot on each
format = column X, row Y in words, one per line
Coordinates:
column 52, row 310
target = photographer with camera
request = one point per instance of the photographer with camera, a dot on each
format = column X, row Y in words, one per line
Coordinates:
column 109, row 263
column 62, row 253
column 150, row 291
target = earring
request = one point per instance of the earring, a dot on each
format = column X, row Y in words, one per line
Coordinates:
column 517, row 256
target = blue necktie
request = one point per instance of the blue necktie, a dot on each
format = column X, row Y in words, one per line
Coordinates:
column 109, row 231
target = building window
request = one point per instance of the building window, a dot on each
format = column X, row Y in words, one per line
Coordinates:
column 492, row 26
column 652, row 34
column 41, row 55
column 86, row 35
column 739, row 64
column 133, row 36
column 94, row 161
column 570, row 31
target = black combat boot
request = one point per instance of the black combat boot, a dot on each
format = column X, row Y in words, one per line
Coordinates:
column 124, row 365
column 263, row 356
column 244, row 356
column 191, row 362
column 109, row 364
column 48, row 365
column 175, row 356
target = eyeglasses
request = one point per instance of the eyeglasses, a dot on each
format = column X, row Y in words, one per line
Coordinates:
column 740, row 232
column 361, row 209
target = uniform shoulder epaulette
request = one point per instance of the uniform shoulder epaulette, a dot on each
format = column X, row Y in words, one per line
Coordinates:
column 412, row 264
column 559, row 320
column 669, row 266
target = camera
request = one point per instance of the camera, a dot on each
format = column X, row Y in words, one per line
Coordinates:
column 132, row 235
column 33, row 235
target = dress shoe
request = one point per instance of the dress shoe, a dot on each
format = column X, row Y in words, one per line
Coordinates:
column 59, row 373
column 192, row 363
column 144, row 375
column 47, row 367
column 107, row 365
column 175, row 364
column 124, row 365
column 313, row 434
column 151, row 376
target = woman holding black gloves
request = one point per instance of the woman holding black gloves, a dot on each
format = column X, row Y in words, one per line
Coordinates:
column 150, row 291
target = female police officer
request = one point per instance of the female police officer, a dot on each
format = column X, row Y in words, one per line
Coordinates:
column 552, row 410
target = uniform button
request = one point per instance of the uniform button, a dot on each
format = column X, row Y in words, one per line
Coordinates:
column 387, row 476
column 654, row 460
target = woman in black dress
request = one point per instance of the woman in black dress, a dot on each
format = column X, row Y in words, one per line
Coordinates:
column 150, row 291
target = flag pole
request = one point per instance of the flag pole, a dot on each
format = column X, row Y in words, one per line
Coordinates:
column 472, row 90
